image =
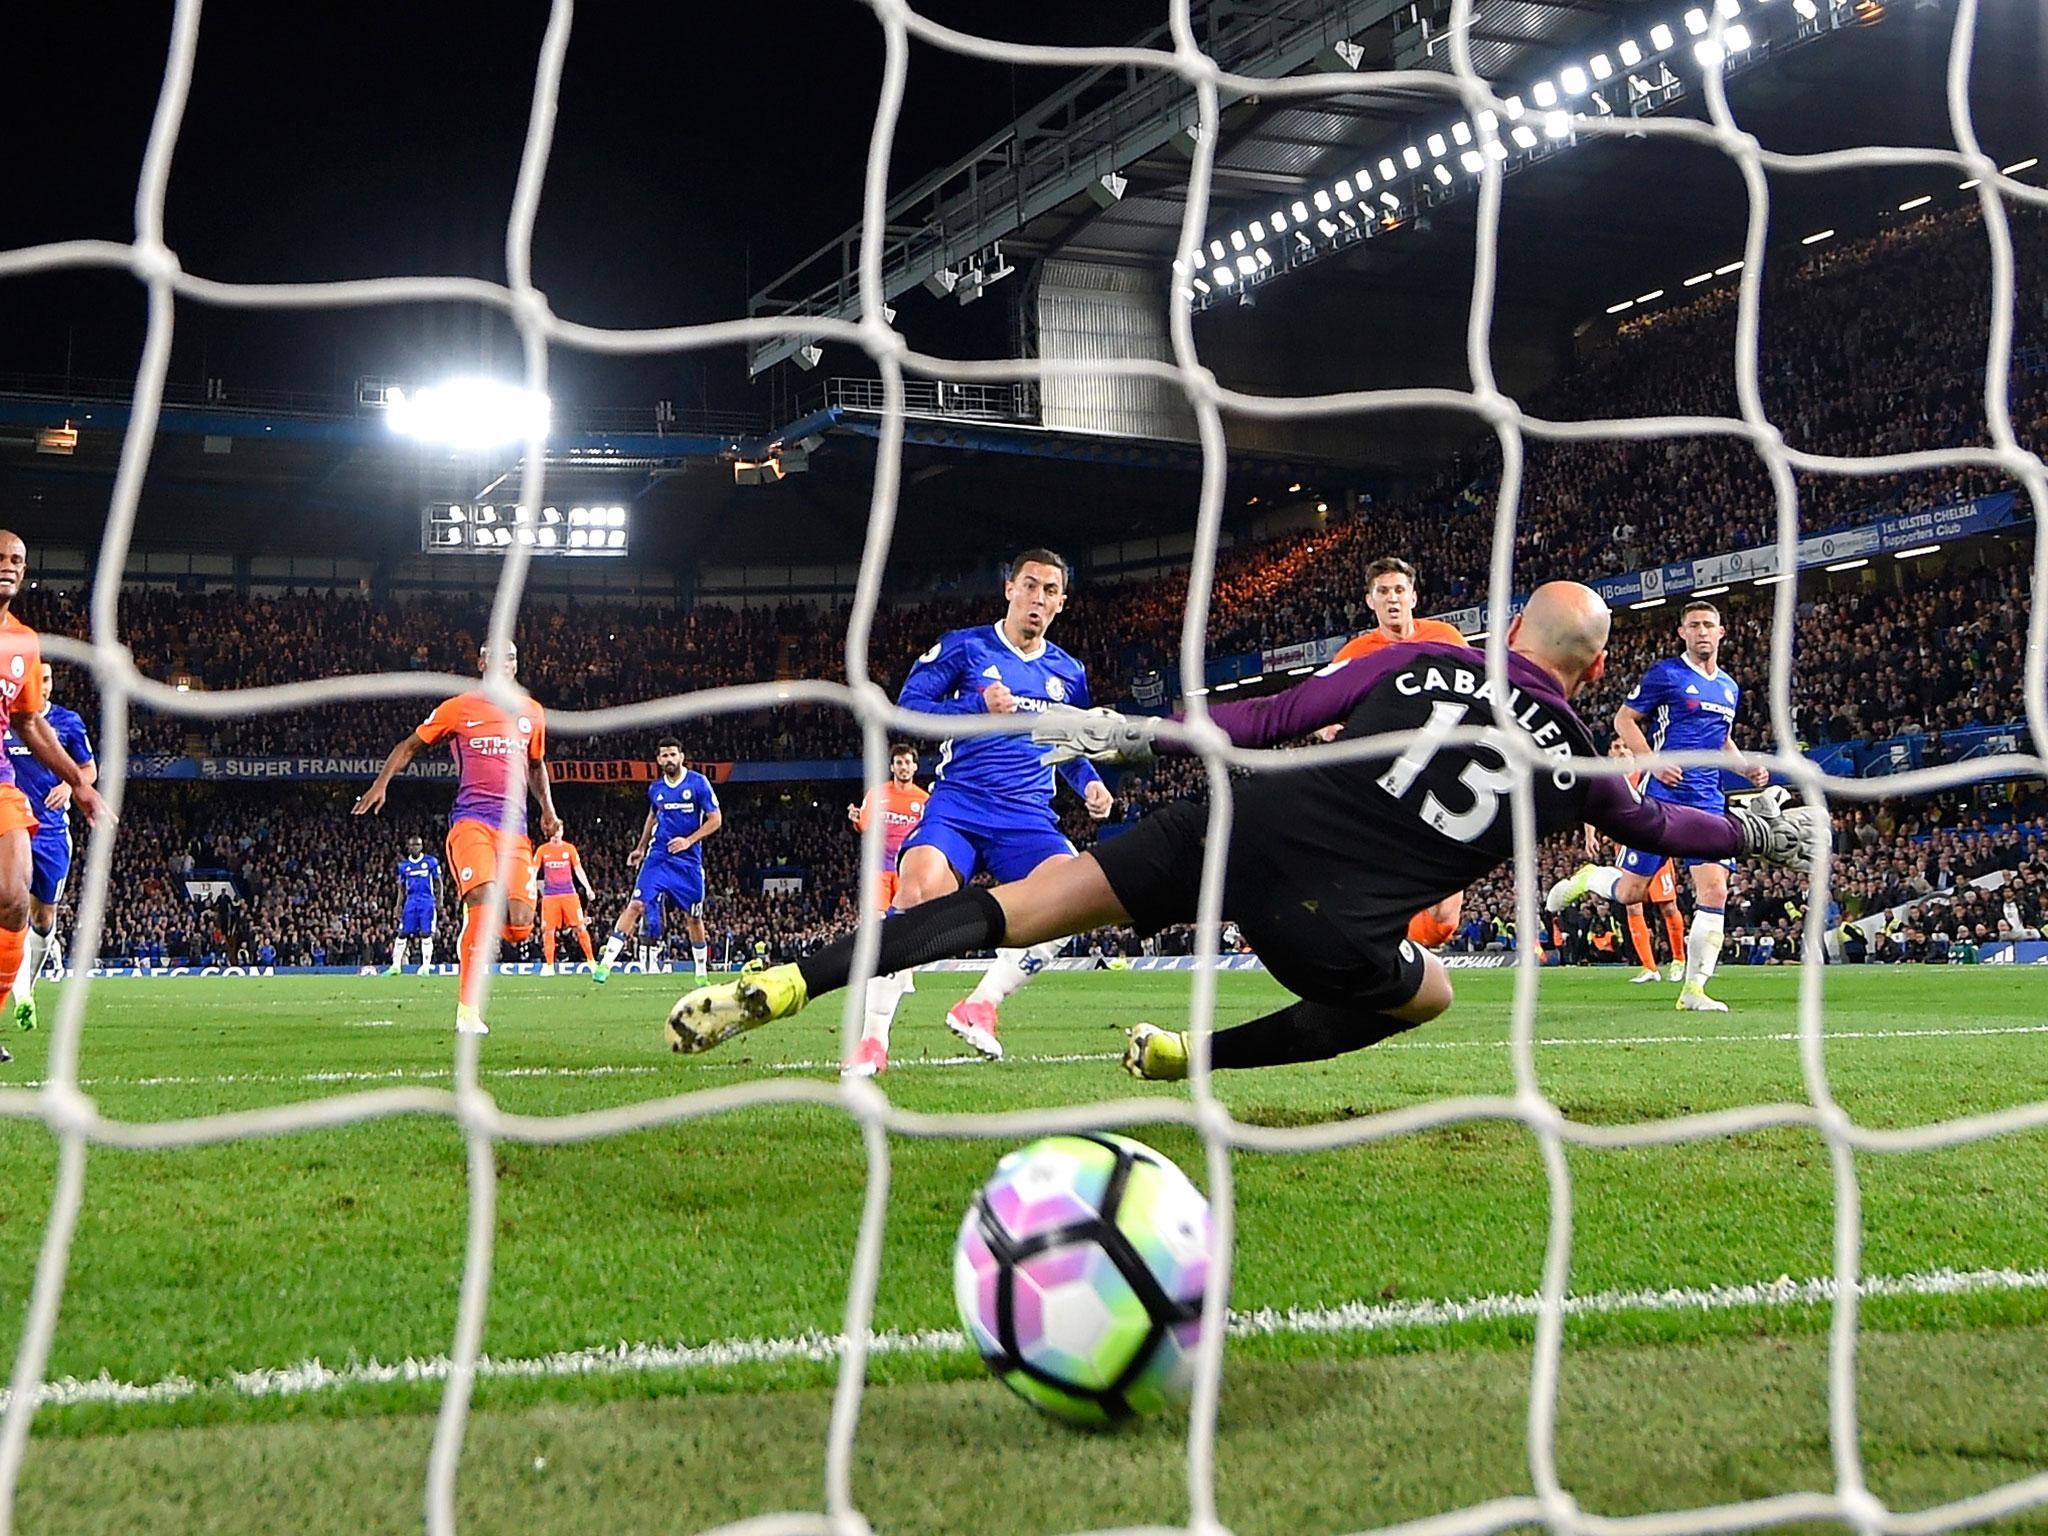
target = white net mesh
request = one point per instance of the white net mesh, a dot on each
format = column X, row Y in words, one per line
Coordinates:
column 75, row 1122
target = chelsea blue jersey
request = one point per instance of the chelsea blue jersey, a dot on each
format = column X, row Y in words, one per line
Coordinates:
column 1685, row 710
column 419, row 878
column 36, row 781
column 949, row 679
column 680, row 809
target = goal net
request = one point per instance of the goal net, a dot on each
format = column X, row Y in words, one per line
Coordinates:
column 76, row 1123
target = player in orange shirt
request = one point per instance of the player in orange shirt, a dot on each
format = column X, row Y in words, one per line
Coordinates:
column 22, row 701
column 1390, row 594
column 559, row 868
column 1662, row 894
column 487, row 842
column 900, row 804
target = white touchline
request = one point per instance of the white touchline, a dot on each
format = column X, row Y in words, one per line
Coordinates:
column 340, row 1077
column 625, row 1359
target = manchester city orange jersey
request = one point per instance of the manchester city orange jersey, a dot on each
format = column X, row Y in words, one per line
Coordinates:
column 21, row 678
column 492, row 749
column 901, row 807
column 557, row 863
column 1379, row 639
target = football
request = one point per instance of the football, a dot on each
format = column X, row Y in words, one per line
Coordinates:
column 1079, row 1271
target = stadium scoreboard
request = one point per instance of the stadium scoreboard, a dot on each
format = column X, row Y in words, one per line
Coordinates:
column 461, row 528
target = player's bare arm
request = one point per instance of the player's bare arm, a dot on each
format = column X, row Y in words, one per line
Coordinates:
column 60, row 792
column 1628, row 725
column 639, row 850
column 372, row 799
column 544, row 791
column 35, row 734
column 1756, row 773
column 582, row 879
column 710, row 825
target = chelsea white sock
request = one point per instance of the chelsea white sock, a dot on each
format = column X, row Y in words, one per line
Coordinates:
column 1012, row 968
column 612, row 946
column 398, row 953
column 884, row 993
column 700, row 959
column 32, row 954
column 427, row 952
column 1703, row 945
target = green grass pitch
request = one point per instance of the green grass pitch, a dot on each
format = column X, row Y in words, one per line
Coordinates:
column 660, row 1301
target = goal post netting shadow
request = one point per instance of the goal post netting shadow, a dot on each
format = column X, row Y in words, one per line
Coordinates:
column 75, row 1122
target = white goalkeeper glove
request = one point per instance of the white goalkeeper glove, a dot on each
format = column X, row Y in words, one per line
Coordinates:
column 1777, row 835
column 1100, row 735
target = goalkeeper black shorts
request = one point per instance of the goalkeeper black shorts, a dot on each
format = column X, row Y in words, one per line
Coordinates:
column 1293, row 917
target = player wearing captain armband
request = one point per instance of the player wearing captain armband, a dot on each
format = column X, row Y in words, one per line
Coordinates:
column 500, row 758
column 899, row 804
column 419, row 880
column 1327, row 862
column 50, row 849
column 1390, row 594
column 1690, row 705
column 682, row 810
column 23, row 700
column 991, row 801
column 559, row 868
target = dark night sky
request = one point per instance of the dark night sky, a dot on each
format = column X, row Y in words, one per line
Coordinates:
column 328, row 140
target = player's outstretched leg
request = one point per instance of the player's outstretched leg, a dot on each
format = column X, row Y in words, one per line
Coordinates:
column 974, row 1018
column 1300, row 1032
column 1586, row 880
column 1060, row 898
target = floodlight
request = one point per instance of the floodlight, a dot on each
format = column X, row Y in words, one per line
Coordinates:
column 1344, row 192
column 1388, row 170
column 1736, row 36
column 1544, row 94
column 1601, row 65
column 1524, row 138
column 1300, row 211
column 1216, row 250
column 1615, row 309
column 1390, row 200
column 1412, row 158
column 1258, row 230
column 1631, row 55
column 1697, row 278
column 1708, row 52
column 1204, row 287
column 1237, row 239
column 1436, row 146
column 1513, row 107
column 1661, row 38
column 1817, row 237
column 1573, row 79
column 1442, row 173
column 1246, row 265
column 1329, row 230
column 1557, row 124
column 469, row 414
column 1461, row 133
column 1473, row 161
column 1265, row 257
column 1222, row 277
column 1806, row 8
column 1696, row 21
column 1728, row 8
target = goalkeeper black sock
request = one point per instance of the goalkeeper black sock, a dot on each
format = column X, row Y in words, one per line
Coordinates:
column 938, row 930
column 1303, row 1032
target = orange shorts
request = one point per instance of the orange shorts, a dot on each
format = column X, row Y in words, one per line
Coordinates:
column 886, row 896
column 1425, row 930
column 1664, row 884
column 16, row 814
column 479, row 854
column 561, row 912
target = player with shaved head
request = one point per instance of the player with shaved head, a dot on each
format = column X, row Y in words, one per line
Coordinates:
column 1327, row 861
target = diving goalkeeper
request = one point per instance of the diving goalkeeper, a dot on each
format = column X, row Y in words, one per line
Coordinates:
column 1327, row 862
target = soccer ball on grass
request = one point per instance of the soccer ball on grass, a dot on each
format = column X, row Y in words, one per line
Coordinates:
column 1079, row 1271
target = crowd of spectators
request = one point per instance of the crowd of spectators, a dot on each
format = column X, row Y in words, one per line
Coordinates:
column 1869, row 346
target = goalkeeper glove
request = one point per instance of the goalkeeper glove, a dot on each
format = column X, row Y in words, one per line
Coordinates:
column 1100, row 735
column 1777, row 835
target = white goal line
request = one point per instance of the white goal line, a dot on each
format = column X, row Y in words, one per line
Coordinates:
column 1354, row 1317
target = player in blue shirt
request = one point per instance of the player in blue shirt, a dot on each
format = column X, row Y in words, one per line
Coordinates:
column 419, row 878
column 991, row 805
column 1688, row 704
column 682, row 810
column 50, row 848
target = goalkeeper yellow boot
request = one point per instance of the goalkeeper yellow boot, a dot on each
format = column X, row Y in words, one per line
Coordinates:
column 1570, row 889
column 712, row 1015
column 1156, row 1055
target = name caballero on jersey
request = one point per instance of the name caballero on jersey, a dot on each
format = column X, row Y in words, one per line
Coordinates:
column 1530, row 714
